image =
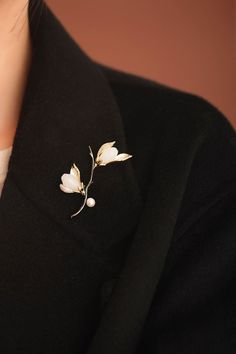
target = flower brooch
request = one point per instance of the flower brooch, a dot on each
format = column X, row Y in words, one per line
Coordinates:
column 71, row 182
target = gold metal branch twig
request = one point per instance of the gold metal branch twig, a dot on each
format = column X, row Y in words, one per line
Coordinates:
column 94, row 165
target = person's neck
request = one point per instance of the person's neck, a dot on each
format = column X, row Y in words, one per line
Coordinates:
column 15, row 58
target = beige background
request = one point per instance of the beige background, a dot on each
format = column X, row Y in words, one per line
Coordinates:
column 187, row 44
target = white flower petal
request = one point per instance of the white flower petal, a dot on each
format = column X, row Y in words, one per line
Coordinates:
column 122, row 157
column 104, row 147
column 75, row 171
column 65, row 189
column 108, row 155
column 70, row 182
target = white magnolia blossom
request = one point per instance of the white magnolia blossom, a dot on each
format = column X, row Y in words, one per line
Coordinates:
column 107, row 154
column 71, row 182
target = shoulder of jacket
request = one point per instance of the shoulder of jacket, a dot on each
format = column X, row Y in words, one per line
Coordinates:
column 151, row 107
column 138, row 97
column 150, row 110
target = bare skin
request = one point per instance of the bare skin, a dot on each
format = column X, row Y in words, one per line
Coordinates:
column 15, row 59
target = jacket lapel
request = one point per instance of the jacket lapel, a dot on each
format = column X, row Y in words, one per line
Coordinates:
column 67, row 107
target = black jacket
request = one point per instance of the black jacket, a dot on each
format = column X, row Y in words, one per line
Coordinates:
column 152, row 267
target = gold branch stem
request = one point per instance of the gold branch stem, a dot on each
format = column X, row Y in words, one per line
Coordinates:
column 94, row 165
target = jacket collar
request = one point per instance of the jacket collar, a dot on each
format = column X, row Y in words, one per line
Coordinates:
column 67, row 106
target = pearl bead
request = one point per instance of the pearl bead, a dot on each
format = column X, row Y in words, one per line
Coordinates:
column 90, row 202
